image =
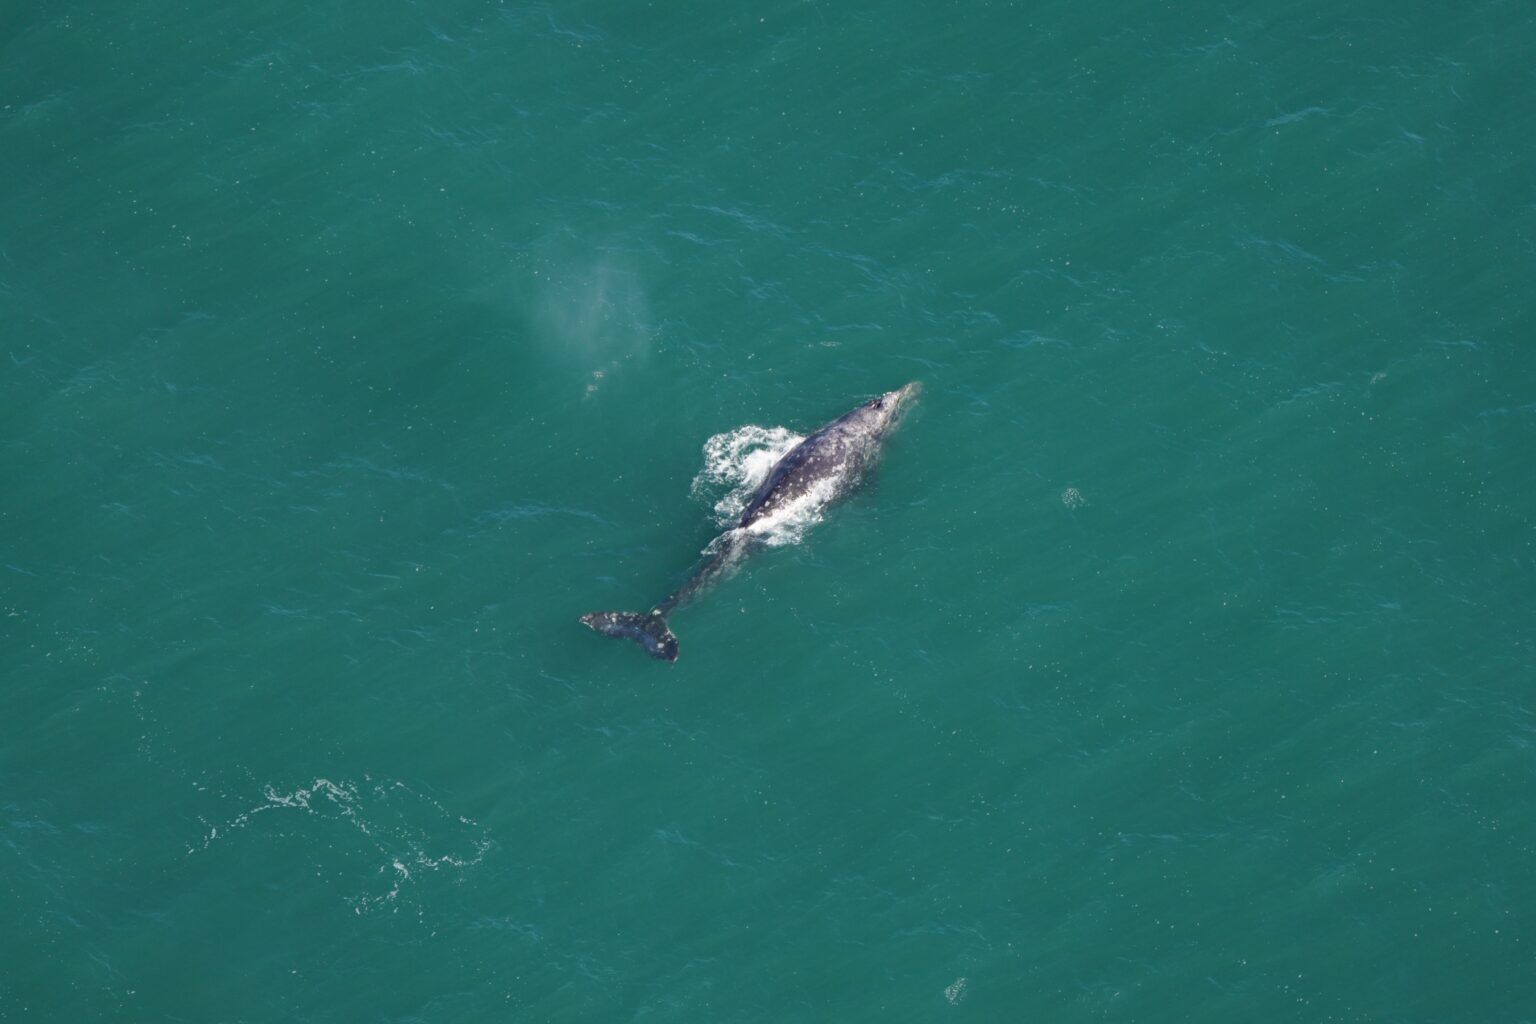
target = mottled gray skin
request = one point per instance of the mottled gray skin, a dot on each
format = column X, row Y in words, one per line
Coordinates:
column 833, row 459
column 838, row 453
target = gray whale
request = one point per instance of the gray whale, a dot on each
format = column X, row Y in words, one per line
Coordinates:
column 816, row 472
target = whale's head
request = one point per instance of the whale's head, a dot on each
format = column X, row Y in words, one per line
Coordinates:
column 883, row 413
column 886, row 411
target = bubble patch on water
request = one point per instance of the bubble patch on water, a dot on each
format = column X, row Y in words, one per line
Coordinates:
column 384, row 823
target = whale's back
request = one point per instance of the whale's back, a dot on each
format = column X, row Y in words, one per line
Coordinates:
column 815, row 471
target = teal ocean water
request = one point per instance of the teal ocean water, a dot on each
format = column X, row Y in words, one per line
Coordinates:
column 1177, row 663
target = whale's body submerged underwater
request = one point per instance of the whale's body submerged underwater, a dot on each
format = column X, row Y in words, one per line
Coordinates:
column 816, row 472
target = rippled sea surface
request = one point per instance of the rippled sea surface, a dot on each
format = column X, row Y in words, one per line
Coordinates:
column 1177, row 664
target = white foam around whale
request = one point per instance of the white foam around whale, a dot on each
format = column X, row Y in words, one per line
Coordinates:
column 735, row 463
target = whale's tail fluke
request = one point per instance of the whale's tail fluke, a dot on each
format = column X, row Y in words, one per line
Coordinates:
column 648, row 629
